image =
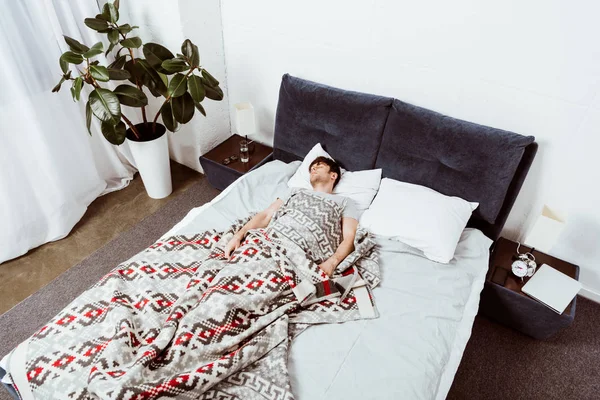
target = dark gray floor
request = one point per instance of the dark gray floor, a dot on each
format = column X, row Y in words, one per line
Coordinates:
column 500, row 363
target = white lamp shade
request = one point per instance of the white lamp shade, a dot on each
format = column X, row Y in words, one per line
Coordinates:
column 546, row 230
column 244, row 118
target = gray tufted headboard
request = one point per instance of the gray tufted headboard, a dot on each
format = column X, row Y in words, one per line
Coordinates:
column 410, row 144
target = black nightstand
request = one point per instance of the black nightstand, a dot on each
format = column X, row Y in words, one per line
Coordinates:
column 503, row 300
column 220, row 175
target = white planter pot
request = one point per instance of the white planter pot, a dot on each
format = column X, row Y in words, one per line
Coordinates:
column 152, row 161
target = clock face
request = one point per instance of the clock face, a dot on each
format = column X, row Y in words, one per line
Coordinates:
column 519, row 268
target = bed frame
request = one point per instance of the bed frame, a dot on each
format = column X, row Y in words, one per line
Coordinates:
column 410, row 143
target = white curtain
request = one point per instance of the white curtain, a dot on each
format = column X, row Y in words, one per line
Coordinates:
column 50, row 168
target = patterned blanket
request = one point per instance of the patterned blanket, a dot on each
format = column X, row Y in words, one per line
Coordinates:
column 179, row 320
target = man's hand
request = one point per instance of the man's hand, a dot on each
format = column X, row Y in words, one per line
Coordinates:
column 349, row 226
column 260, row 220
column 232, row 246
column 328, row 266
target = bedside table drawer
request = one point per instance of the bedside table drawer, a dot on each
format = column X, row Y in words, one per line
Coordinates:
column 218, row 175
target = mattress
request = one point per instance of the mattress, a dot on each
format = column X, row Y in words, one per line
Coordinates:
column 426, row 309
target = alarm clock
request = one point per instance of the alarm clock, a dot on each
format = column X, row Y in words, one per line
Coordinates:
column 524, row 266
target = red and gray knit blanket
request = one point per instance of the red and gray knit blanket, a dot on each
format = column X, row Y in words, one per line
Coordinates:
column 179, row 320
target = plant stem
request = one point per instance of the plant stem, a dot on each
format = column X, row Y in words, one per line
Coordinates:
column 144, row 118
column 131, row 126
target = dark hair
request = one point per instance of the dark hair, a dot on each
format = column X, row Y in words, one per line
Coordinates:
column 333, row 167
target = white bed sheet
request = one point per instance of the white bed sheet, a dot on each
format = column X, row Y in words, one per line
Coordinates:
column 426, row 310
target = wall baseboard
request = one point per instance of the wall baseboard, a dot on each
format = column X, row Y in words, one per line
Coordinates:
column 590, row 294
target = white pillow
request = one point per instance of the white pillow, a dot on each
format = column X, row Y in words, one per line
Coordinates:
column 360, row 186
column 301, row 178
column 420, row 217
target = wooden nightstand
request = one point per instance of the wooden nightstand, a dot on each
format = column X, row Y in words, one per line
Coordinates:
column 503, row 300
column 220, row 175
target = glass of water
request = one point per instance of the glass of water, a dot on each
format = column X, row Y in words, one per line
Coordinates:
column 244, row 154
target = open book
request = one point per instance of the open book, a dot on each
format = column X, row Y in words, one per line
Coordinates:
column 552, row 288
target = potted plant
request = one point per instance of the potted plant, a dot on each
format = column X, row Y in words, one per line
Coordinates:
column 179, row 79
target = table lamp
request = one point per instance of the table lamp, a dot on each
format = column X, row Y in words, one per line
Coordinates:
column 546, row 230
column 244, row 118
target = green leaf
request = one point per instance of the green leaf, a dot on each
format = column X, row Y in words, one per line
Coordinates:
column 209, row 78
column 133, row 70
column 58, row 85
column 76, row 88
column 174, row 65
column 213, row 93
column 131, row 96
column 116, row 133
column 118, row 63
column 166, row 112
column 88, row 117
column 75, row 46
column 99, row 73
column 105, row 105
column 164, row 78
column 200, row 108
column 150, row 78
column 118, row 74
column 125, row 28
column 116, row 3
column 196, row 88
column 178, row 85
column 96, row 24
column 64, row 65
column 183, row 108
column 110, row 48
column 72, row 58
column 155, row 92
column 190, row 50
column 155, row 55
column 102, row 17
column 111, row 12
column 96, row 49
column 113, row 36
column 131, row 43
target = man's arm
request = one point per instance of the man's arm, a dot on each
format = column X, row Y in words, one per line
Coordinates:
column 260, row 220
column 349, row 226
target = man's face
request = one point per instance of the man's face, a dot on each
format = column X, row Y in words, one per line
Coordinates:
column 320, row 173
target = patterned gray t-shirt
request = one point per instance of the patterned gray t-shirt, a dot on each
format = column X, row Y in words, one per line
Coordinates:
column 347, row 204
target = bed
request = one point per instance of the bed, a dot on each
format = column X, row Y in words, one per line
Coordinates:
column 426, row 309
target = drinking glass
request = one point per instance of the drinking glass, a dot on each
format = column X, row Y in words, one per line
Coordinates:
column 244, row 153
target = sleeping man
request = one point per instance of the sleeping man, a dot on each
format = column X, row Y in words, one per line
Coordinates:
column 324, row 176
column 206, row 316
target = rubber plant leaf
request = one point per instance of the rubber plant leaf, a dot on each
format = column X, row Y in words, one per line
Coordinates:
column 178, row 85
column 196, row 88
column 131, row 96
column 105, row 105
column 115, row 134
column 183, row 108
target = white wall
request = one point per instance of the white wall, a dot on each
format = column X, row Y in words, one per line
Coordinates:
column 531, row 67
column 170, row 23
